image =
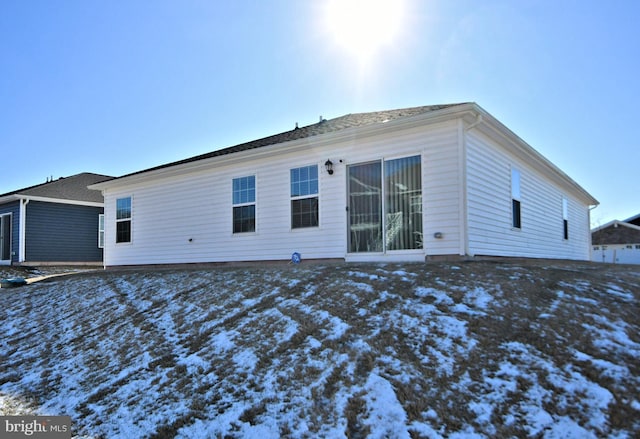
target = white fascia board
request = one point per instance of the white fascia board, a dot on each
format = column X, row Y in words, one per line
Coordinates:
column 9, row 198
column 59, row 201
column 320, row 140
column 532, row 157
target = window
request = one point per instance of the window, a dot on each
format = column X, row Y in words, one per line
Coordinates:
column 304, row 197
column 637, row 247
column 516, row 219
column 565, row 217
column 244, row 204
column 101, row 230
column 123, row 220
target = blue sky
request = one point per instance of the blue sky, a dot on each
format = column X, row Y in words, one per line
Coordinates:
column 114, row 87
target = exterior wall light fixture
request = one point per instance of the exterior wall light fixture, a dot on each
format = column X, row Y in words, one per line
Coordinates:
column 329, row 165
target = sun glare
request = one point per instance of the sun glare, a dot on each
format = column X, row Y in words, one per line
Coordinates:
column 364, row 27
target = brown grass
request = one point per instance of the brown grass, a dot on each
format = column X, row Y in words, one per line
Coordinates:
column 553, row 308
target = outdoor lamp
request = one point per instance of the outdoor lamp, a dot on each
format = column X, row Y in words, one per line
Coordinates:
column 329, row 165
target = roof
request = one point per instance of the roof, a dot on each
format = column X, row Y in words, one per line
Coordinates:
column 345, row 126
column 615, row 232
column 615, row 223
column 633, row 220
column 73, row 188
column 322, row 127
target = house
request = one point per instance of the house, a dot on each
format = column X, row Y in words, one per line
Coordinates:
column 55, row 222
column 399, row 185
column 617, row 242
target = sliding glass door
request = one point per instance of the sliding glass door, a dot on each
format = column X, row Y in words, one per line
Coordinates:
column 395, row 188
column 365, row 207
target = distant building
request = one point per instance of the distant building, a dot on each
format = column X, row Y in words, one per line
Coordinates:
column 617, row 242
column 57, row 222
column 411, row 184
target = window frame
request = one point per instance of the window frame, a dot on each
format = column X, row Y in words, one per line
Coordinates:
column 565, row 218
column 516, row 199
column 101, row 235
column 128, row 219
column 309, row 195
column 238, row 205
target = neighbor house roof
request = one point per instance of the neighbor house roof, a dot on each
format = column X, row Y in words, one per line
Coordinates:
column 635, row 220
column 616, row 232
column 73, row 188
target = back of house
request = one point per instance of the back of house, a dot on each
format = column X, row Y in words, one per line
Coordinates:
column 410, row 184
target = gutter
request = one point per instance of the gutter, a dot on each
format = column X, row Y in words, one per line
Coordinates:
column 317, row 141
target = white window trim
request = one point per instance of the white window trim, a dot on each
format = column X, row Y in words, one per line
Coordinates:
column 565, row 219
column 101, row 236
column 304, row 197
column 516, row 194
column 130, row 219
column 254, row 203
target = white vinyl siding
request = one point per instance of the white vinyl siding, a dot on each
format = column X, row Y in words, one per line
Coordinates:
column 442, row 177
column 490, row 209
column 201, row 230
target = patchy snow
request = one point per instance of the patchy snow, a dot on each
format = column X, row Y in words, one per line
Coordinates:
column 385, row 415
column 396, row 350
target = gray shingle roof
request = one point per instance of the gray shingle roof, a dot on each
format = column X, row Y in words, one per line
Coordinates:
column 322, row 127
column 66, row 188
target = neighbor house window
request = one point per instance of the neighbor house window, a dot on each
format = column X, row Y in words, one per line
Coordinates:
column 516, row 220
column 565, row 218
column 123, row 219
column 101, row 230
column 304, row 197
column 244, row 204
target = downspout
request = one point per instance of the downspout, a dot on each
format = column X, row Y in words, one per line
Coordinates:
column 463, row 246
column 22, row 237
column 590, row 234
column 462, row 149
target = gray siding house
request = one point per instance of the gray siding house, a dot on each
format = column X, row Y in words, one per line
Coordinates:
column 54, row 222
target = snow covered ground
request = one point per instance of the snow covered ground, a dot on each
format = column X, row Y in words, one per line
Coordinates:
column 467, row 350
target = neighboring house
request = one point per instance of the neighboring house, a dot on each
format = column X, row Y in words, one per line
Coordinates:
column 405, row 185
column 617, row 242
column 53, row 222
